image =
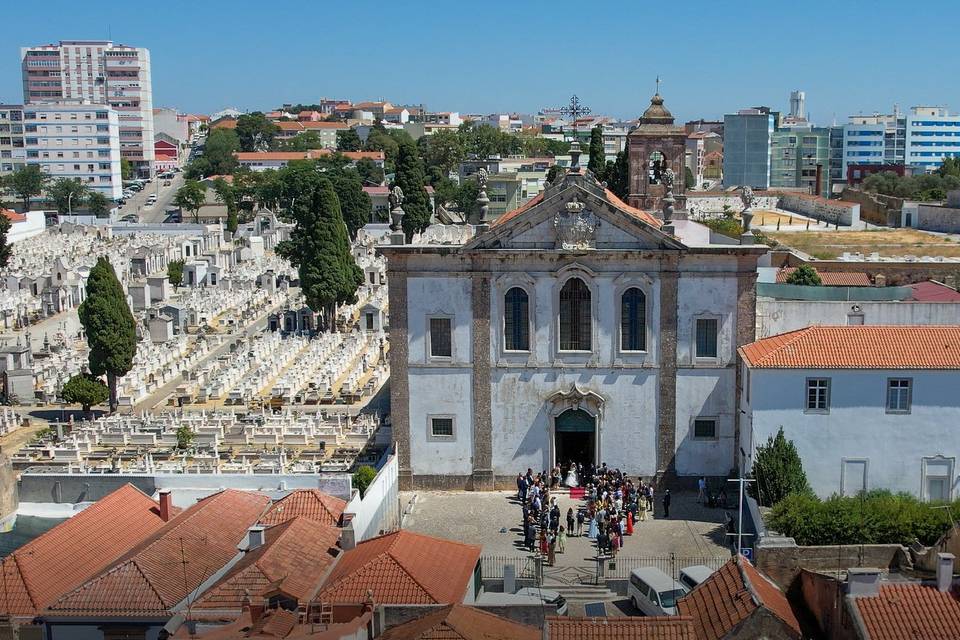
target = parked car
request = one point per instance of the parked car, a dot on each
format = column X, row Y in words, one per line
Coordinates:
column 130, row 217
column 166, row 183
column 151, row 198
column 692, row 576
column 653, row 592
column 548, row 597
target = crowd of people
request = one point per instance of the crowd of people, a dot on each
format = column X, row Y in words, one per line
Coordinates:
column 612, row 504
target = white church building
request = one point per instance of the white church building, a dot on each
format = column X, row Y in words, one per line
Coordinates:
column 575, row 328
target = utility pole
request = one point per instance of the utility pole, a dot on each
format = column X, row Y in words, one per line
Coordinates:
column 742, row 482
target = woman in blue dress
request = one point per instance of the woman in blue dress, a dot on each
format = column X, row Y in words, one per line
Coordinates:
column 592, row 531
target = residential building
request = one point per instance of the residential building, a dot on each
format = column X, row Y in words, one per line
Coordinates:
column 443, row 117
column 561, row 358
column 933, row 133
column 874, row 139
column 13, row 154
column 166, row 153
column 699, row 144
column 823, row 385
column 463, row 623
column 263, row 160
column 326, row 131
column 713, row 165
column 396, row 115
column 747, row 139
column 800, row 157
column 171, row 123
column 77, row 141
column 100, row 72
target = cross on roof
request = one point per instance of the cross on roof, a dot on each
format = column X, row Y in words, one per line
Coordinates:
column 575, row 110
column 658, row 85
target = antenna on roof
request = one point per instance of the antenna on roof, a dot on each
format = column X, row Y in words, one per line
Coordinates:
column 658, row 84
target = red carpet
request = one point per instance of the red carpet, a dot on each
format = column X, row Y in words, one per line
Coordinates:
column 577, row 493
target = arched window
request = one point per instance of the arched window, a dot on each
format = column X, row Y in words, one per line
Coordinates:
column 633, row 320
column 655, row 167
column 516, row 320
column 575, row 316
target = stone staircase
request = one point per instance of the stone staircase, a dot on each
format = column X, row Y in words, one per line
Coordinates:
column 582, row 592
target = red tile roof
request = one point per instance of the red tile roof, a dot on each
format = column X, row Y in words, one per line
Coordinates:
column 164, row 569
column 13, row 216
column 402, row 568
column 932, row 291
column 730, row 596
column 646, row 628
column 909, row 612
column 287, row 156
column 858, row 347
column 293, row 559
column 310, row 503
column 526, row 206
column 459, row 622
column 225, row 123
column 832, row 278
column 77, row 549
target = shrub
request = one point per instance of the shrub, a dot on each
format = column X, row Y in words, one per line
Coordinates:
column 805, row 275
column 362, row 478
column 778, row 471
column 876, row 517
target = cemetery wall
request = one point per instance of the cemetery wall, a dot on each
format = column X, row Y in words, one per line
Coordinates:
column 781, row 559
column 847, row 213
column 379, row 508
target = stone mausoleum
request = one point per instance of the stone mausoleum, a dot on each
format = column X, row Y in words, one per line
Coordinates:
column 575, row 328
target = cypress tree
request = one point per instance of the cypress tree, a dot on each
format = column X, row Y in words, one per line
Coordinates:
column 355, row 205
column 619, row 177
column 109, row 325
column 598, row 159
column 320, row 249
column 411, row 178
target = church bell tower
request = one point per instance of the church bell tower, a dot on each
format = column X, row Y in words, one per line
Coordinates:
column 655, row 145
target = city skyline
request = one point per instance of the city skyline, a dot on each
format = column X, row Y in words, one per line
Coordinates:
column 502, row 61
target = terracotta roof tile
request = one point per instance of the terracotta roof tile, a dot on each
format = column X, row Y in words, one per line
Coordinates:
column 310, row 503
column 858, row 347
column 13, row 216
column 162, row 570
column 832, row 278
column 634, row 211
column 932, row 291
column 731, row 595
column 646, row 628
column 459, row 622
column 402, row 568
column 910, row 611
column 77, row 549
column 510, row 215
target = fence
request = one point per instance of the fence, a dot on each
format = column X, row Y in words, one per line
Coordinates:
column 492, row 566
column 669, row 564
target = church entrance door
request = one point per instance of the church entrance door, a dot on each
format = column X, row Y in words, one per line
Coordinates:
column 575, row 433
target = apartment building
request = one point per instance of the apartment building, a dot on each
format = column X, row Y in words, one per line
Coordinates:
column 99, row 72
column 932, row 134
column 77, row 141
column 800, row 157
column 747, row 138
column 13, row 155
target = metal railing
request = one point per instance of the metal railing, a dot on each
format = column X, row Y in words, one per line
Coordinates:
column 671, row 564
column 492, row 566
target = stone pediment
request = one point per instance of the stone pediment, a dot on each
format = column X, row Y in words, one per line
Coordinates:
column 570, row 217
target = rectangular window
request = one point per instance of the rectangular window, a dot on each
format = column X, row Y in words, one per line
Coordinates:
column 818, row 394
column 706, row 337
column 440, row 338
column 441, row 427
column 899, row 391
column 705, row 429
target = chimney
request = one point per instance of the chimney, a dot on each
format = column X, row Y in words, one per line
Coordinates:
column 944, row 571
column 880, row 280
column 256, row 611
column 165, row 504
column 863, row 581
column 255, row 536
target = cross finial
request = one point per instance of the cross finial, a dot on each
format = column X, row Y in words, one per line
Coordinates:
column 658, row 84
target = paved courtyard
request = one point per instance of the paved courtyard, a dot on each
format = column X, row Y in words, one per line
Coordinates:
column 492, row 519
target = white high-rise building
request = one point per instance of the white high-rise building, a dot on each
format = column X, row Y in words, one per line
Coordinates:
column 933, row 134
column 97, row 72
column 798, row 108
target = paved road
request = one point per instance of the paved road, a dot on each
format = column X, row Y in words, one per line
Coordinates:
column 153, row 213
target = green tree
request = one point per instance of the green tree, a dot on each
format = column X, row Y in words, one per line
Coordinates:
column 98, row 204
column 67, row 193
column 190, row 197
column 443, row 150
column 255, row 131
column 466, row 197
column 485, row 141
column 355, row 204
column 26, row 183
column 618, row 179
column 126, row 169
column 777, row 471
column 5, row 247
column 411, row 179
column 380, row 140
column 218, row 157
column 300, row 142
column 85, row 390
column 370, row 172
column 598, row 159
column 109, row 325
column 950, row 167
column 184, row 437
column 806, row 276
column 319, row 246
column 554, row 173
column 175, row 272
column 362, row 478
column 230, row 197
column 348, row 140
column 689, row 182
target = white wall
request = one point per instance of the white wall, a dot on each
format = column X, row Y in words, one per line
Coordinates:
column 779, row 316
column 34, row 225
column 379, row 509
column 857, row 425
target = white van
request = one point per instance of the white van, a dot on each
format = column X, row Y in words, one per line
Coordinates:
column 690, row 577
column 653, row 592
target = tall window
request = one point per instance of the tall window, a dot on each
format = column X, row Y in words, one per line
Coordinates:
column 575, row 316
column 516, row 320
column 440, row 343
column 818, row 394
column 898, row 395
column 633, row 320
column 706, row 337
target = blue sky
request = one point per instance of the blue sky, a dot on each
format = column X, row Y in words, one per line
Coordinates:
column 713, row 57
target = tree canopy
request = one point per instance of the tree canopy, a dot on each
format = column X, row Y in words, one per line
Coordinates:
column 927, row 186
column 301, row 142
column 411, row 180
column 67, row 194
column 598, row 158
column 26, row 183
column 805, row 275
column 618, row 177
column 777, row 471
column 255, row 132
column 109, row 325
column 348, row 140
column 175, row 272
column 190, row 197
column 126, row 169
column 85, row 390
column 5, row 248
column 98, row 204
column 355, row 204
column 217, row 158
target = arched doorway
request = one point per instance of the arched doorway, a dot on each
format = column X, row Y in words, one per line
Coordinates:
column 575, row 433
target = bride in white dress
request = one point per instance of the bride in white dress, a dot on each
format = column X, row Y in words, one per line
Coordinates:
column 572, row 480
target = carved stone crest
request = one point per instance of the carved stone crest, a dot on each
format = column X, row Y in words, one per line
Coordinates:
column 575, row 227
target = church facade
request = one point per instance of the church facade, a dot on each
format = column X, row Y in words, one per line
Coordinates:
column 576, row 328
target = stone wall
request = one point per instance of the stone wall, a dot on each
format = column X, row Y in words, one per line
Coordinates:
column 934, row 217
column 8, row 487
column 698, row 203
column 875, row 208
column 832, row 211
column 821, row 595
column 896, row 273
column 781, row 559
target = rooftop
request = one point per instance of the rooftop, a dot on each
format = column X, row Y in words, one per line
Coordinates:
column 459, row 622
column 636, row 628
column 909, row 611
column 309, row 503
column 831, row 278
column 858, row 347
